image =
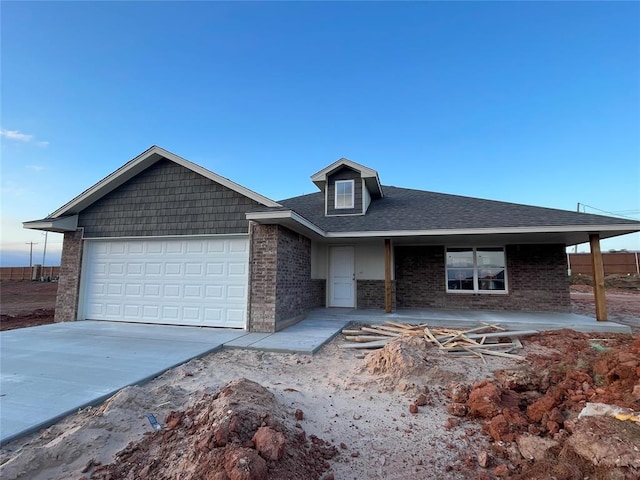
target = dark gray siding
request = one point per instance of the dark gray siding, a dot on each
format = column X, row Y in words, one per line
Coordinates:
column 167, row 199
column 344, row 174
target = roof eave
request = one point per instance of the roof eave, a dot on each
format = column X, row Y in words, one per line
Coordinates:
column 368, row 174
column 141, row 163
column 289, row 219
column 57, row 225
column 609, row 230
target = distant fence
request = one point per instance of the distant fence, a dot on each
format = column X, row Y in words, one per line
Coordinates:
column 619, row 263
column 37, row 272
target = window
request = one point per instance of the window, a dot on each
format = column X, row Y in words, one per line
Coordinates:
column 476, row 270
column 344, row 193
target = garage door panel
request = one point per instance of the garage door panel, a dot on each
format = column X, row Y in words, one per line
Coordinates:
column 191, row 269
column 238, row 246
column 215, row 268
column 135, row 269
column 173, row 268
column 136, row 248
column 152, row 248
column 193, row 291
column 175, row 248
column 180, row 281
column 214, row 292
column 132, row 311
column 153, row 269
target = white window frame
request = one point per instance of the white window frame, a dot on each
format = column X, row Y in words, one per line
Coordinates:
column 353, row 194
column 476, row 267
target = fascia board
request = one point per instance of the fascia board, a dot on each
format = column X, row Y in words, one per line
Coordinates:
column 626, row 228
column 365, row 172
column 60, row 225
column 140, row 163
column 285, row 215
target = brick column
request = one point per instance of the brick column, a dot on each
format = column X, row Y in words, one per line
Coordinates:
column 263, row 277
column 69, row 282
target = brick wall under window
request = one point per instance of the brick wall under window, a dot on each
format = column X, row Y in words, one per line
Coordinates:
column 371, row 294
column 536, row 278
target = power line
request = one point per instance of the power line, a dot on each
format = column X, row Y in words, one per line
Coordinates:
column 608, row 212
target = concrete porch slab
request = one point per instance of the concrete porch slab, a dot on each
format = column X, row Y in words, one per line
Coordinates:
column 469, row 318
column 305, row 337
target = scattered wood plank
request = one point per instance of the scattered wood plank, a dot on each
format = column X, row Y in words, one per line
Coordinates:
column 380, row 332
column 485, row 339
column 378, row 344
column 363, row 338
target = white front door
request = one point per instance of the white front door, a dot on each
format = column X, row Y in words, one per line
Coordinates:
column 342, row 277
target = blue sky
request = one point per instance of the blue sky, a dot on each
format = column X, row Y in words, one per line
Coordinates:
column 527, row 102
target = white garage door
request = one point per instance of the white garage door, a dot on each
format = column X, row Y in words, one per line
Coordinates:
column 195, row 281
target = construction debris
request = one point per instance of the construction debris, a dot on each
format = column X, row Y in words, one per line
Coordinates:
column 485, row 339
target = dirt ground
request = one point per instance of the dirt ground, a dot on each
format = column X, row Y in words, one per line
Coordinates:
column 402, row 412
column 26, row 304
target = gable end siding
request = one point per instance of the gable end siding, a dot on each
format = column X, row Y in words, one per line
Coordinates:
column 167, row 199
column 344, row 174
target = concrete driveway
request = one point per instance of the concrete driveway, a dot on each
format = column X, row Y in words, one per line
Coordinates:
column 50, row 371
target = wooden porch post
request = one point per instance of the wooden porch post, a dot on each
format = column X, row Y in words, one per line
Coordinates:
column 598, row 278
column 387, row 276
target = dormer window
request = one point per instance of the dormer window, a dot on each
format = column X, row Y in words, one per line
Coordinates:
column 345, row 193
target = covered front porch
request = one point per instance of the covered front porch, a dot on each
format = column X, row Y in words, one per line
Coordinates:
column 512, row 320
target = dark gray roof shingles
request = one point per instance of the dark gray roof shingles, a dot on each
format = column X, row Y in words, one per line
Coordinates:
column 405, row 209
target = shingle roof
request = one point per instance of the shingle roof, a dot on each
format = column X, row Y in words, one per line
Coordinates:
column 405, row 209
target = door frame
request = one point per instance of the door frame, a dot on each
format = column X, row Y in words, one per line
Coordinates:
column 330, row 275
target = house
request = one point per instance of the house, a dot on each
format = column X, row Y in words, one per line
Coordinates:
column 163, row 240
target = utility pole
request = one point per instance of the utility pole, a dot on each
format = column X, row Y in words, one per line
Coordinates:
column 575, row 248
column 31, row 244
column 44, row 252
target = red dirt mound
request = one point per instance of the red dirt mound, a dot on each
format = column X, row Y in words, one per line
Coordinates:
column 240, row 433
column 537, row 406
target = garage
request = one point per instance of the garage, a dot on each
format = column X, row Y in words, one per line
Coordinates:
column 196, row 281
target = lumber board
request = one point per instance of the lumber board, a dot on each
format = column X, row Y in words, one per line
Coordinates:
column 351, row 331
column 506, row 333
column 386, row 333
column 388, row 328
column 432, row 337
column 500, row 354
column 364, row 338
column 378, row 344
column 404, row 326
column 464, row 333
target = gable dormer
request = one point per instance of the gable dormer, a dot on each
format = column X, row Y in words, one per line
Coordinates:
column 348, row 187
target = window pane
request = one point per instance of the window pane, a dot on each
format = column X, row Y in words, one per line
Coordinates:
column 460, row 278
column 491, row 279
column 459, row 257
column 344, row 194
column 489, row 257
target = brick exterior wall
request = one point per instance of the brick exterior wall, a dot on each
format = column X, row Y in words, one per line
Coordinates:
column 370, row 294
column 69, row 281
column 536, row 275
column 296, row 292
column 167, row 199
column 262, row 277
column 281, row 287
column 344, row 174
